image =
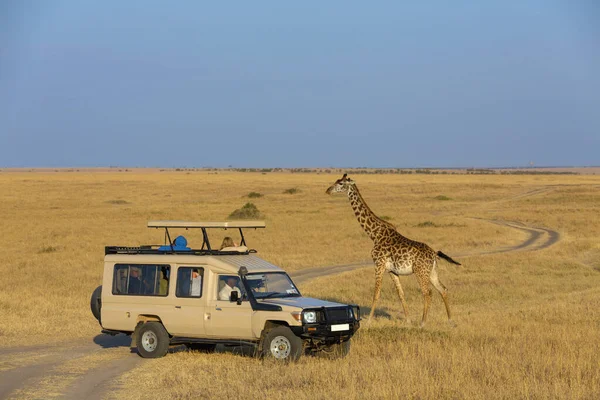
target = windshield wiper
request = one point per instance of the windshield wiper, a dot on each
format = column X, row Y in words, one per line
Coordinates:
column 269, row 295
column 278, row 294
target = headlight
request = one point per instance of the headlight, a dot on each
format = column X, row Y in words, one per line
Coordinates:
column 310, row 317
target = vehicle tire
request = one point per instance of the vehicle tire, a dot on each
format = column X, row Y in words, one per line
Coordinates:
column 96, row 303
column 281, row 344
column 152, row 340
column 202, row 347
column 336, row 350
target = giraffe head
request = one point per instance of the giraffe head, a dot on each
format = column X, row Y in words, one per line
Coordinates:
column 341, row 185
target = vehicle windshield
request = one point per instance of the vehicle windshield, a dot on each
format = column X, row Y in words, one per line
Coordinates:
column 271, row 285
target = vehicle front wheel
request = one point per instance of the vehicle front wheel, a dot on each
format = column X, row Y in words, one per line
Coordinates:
column 336, row 350
column 152, row 340
column 280, row 343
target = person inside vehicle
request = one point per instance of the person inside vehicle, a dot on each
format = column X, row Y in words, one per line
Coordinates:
column 135, row 285
column 196, row 283
column 256, row 285
column 225, row 293
column 227, row 242
column 164, row 282
column 121, row 283
column 148, row 283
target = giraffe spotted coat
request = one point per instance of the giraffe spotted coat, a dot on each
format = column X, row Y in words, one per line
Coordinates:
column 394, row 253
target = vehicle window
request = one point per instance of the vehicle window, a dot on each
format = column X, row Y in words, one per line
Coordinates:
column 189, row 282
column 227, row 284
column 141, row 279
column 271, row 285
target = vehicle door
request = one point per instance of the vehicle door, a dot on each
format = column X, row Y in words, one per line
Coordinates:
column 228, row 319
column 189, row 303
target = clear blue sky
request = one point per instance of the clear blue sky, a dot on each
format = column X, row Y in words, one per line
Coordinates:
column 293, row 84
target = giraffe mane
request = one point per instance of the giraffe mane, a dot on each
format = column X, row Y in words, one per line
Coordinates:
column 371, row 211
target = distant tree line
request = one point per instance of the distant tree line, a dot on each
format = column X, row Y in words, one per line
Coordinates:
column 375, row 171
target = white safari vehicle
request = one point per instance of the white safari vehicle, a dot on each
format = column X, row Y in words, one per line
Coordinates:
column 172, row 294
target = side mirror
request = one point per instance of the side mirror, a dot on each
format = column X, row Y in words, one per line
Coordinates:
column 235, row 297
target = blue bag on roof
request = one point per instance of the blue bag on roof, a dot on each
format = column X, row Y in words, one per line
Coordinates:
column 179, row 244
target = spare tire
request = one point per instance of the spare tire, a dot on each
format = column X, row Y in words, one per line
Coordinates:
column 96, row 303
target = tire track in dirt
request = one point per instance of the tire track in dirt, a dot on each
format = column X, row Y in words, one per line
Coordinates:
column 538, row 239
column 45, row 360
column 48, row 362
column 98, row 382
column 529, row 193
column 311, row 273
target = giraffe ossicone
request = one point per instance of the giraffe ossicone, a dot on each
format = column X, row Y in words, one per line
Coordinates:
column 394, row 253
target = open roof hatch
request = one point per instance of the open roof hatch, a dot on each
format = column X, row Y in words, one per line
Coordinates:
column 203, row 225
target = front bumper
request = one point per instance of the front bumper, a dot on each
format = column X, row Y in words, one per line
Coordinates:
column 333, row 325
column 323, row 332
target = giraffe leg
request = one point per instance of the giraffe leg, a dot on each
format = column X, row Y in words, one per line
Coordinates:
column 396, row 280
column 433, row 278
column 426, row 290
column 379, row 269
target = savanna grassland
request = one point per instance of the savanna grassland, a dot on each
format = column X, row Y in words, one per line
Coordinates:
column 527, row 321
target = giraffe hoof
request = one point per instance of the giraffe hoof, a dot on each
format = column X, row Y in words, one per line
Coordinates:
column 452, row 323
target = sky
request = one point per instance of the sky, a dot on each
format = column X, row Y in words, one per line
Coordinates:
column 384, row 84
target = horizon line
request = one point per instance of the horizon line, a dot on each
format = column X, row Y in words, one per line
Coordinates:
column 305, row 167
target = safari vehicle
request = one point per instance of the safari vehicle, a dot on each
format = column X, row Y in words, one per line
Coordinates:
column 171, row 294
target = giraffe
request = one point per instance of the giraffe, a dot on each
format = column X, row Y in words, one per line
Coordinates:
column 395, row 253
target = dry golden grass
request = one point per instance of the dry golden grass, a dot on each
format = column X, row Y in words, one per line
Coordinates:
column 514, row 340
column 527, row 322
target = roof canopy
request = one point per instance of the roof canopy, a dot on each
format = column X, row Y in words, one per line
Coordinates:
column 202, row 224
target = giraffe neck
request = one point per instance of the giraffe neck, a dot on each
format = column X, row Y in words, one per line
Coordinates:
column 371, row 223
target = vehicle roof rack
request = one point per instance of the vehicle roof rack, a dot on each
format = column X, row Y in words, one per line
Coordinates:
column 154, row 249
column 202, row 225
column 193, row 224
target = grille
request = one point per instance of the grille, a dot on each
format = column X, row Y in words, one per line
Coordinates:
column 337, row 314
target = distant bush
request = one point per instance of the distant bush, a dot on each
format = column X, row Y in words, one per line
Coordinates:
column 426, row 224
column 48, row 249
column 292, row 191
column 248, row 211
column 429, row 224
column 442, row 197
column 385, row 217
column 254, row 195
column 117, row 202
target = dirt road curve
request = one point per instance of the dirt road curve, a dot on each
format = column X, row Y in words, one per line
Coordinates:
column 84, row 370
column 539, row 238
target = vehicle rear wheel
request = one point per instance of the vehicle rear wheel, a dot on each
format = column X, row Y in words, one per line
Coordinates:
column 336, row 350
column 202, row 347
column 280, row 343
column 152, row 340
column 96, row 303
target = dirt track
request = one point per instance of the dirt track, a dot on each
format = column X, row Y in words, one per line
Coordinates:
column 25, row 371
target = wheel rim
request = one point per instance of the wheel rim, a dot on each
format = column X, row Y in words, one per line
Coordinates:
column 280, row 347
column 149, row 341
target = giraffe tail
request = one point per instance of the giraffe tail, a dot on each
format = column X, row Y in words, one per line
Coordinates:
column 447, row 258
